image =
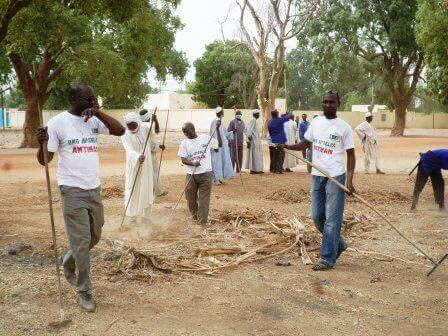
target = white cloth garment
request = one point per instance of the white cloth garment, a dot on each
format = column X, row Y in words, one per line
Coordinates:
column 195, row 150
column 143, row 195
column 331, row 138
column 290, row 128
column 158, row 186
column 254, row 157
column 369, row 141
column 75, row 141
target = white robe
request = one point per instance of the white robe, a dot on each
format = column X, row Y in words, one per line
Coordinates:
column 290, row 128
column 157, row 181
column 369, row 140
column 254, row 157
column 143, row 195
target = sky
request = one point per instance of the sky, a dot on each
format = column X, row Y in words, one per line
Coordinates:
column 202, row 26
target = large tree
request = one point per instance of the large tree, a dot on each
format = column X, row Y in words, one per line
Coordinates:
column 308, row 77
column 225, row 75
column 108, row 44
column 382, row 33
column 275, row 22
column 432, row 36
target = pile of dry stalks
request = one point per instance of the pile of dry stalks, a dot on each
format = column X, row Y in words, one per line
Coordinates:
column 231, row 239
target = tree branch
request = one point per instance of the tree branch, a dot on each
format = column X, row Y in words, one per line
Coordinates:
column 13, row 8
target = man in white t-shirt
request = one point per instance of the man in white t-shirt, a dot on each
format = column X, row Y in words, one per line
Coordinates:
column 195, row 153
column 369, row 140
column 330, row 138
column 74, row 136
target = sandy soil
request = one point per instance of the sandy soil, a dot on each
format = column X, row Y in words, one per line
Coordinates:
column 366, row 294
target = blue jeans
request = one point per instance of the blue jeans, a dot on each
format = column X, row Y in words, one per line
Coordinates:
column 327, row 211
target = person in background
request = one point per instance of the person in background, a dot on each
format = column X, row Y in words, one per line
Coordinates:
column 303, row 127
column 195, row 153
column 278, row 137
column 430, row 165
column 237, row 127
column 369, row 141
column 143, row 194
column 254, row 158
column 290, row 129
column 146, row 118
column 221, row 161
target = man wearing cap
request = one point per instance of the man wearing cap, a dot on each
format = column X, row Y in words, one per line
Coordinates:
column 254, row 159
column 143, row 194
column 146, row 117
column 221, row 161
column 237, row 127
column 369, row 140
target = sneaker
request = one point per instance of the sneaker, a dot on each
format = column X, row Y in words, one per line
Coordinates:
column 321, row 266
column 70, row 274
column 86, row 302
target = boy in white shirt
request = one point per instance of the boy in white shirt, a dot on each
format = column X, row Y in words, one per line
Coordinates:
column 330, row 138
column 196, row 156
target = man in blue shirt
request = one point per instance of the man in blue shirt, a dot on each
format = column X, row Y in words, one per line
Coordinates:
column 431, row 165
column 303, row 127
column 277, row 135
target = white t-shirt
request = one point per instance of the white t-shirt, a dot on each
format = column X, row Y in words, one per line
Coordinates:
column 75, row 141
column 367, row 129
column 193, row 150
column 331, row 138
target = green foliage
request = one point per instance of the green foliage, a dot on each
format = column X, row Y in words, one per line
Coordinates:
column 381, row 32
column 108, row 44
column 225, row 75
column 14, row 98
column 432, row 36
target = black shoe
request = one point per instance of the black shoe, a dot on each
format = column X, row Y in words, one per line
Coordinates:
column 321, row 266
column 86, row 302
column 70, row 274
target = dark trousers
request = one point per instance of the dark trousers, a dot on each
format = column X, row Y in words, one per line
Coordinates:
column 271, row 159
column 278, row 156
column 237, row 156
column 199, row 188
column 438, row 185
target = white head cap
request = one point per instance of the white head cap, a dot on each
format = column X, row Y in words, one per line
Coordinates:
column 218, row 109
column 368, row 114
column 255, row 111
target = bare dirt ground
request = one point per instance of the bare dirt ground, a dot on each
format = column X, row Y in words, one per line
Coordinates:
column 379, row 286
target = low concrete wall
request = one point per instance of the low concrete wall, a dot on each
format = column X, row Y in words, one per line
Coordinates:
column 202, row 118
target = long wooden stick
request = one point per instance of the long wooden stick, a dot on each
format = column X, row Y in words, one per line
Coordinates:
column 163, row 143
column 139, row 167
column 50, row 203
column 370, row 206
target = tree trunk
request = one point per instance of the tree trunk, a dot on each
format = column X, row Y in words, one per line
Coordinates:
column 31, row 124
column 400, row 119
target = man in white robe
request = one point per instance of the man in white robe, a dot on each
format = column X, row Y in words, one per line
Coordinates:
column 254, row 157
column 145, row 116
column 221, row 160
column 290, row 128
column 369, row 140
column 134, row 142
